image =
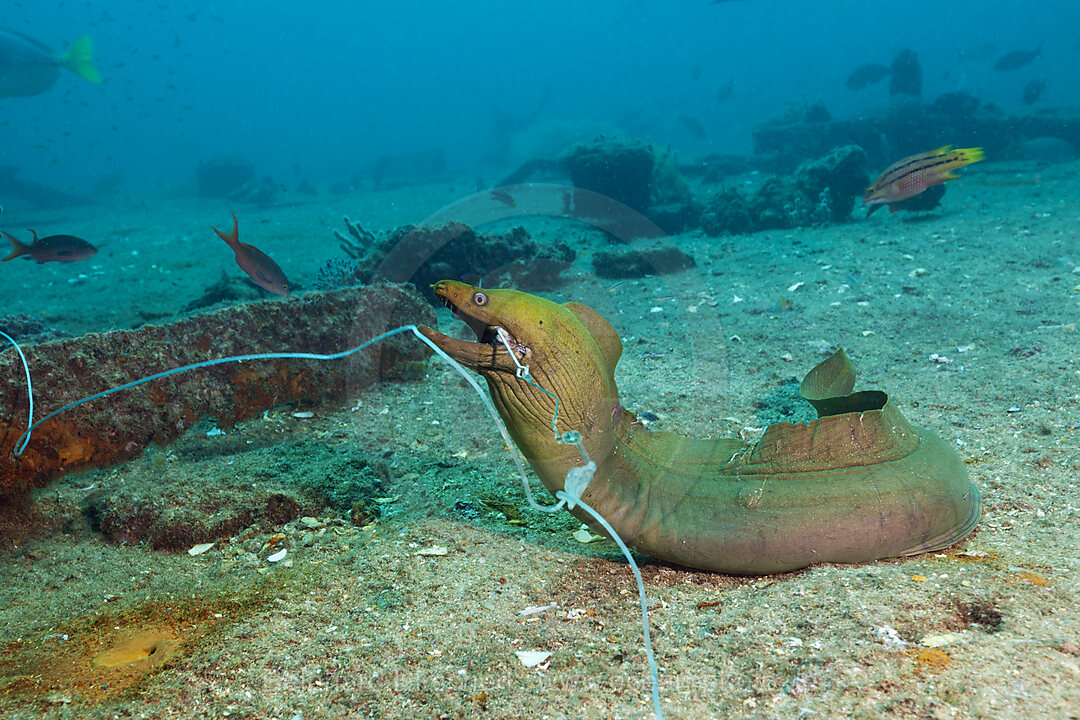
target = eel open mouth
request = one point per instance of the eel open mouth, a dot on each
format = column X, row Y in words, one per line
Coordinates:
column 488, row 354
column 493, row 335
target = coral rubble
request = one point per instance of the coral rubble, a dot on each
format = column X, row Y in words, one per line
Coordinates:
column 423, row 255
column 635, row 263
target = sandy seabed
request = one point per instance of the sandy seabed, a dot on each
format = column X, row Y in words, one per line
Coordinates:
column 418, row 611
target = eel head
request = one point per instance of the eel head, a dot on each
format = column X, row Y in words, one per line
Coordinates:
column 570, row 351
column 497, row 317
column 558, row 341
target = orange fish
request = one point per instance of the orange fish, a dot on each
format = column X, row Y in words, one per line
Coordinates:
column 52, row 248
column 912, row 175
column 257, row 264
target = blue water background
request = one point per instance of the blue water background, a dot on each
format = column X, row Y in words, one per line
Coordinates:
column 322, row 89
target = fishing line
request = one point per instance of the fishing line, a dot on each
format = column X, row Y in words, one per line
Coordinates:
column 25, row 437
column 29, row 391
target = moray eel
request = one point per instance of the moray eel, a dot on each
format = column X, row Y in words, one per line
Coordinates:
column 857, row 484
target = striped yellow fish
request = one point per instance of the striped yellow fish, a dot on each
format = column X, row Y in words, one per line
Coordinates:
column 912, row 175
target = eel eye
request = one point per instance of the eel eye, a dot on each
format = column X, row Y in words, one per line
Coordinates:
column 479, row 299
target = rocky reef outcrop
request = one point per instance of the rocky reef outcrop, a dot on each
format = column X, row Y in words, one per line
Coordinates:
column 819, row 191
column 616, row 172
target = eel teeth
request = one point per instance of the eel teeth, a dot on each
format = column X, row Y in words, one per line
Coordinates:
column 510, row 340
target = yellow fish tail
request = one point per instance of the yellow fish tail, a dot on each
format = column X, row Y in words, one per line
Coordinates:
column 967, row 156
column 79, row 59
column 956, row 159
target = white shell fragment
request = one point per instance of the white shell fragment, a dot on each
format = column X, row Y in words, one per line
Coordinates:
column 532, row 658
column 304, row 415
column 433, row 550
column 279, row 555
column 888, row 637
column 949, row 638
column 583, row 536
column 199, row 549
